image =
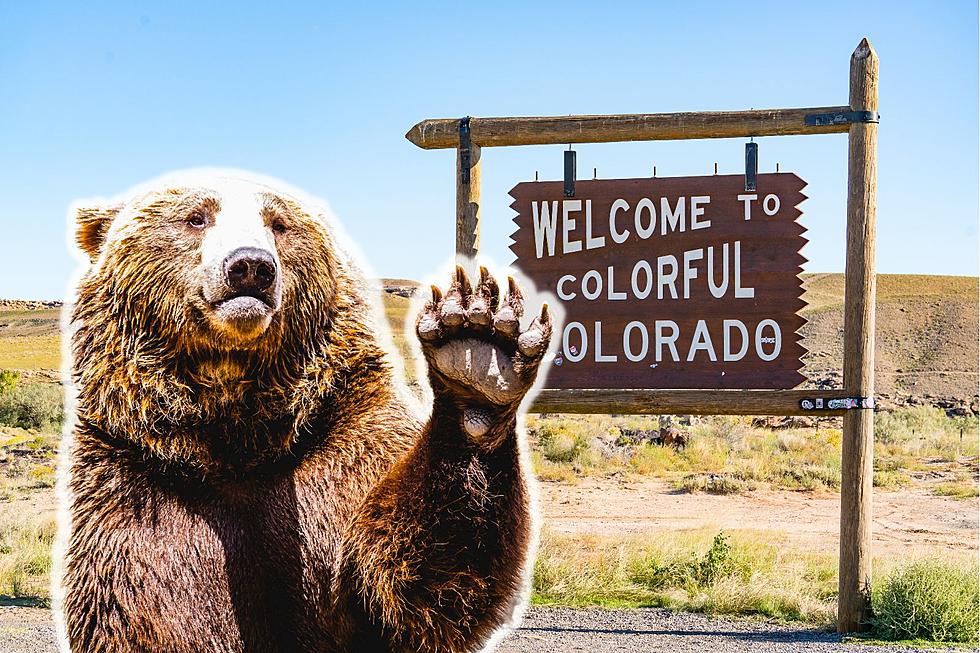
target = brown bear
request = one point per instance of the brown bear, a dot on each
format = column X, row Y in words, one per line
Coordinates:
column 245, row 468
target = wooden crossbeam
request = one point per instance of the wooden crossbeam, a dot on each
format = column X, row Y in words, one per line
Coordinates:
column 440, row 133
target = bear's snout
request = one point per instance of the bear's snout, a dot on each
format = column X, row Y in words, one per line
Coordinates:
column 250, row 271
column 244, row 290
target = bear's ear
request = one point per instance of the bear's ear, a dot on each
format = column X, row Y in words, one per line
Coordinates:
column 93, row 225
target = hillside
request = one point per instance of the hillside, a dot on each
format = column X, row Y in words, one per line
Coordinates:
column 927, row 333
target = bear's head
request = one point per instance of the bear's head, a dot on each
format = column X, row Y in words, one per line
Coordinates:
column 214, row 309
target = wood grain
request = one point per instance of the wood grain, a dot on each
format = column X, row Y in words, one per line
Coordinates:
column 854, row 608
column 440, row 133
column 681, row 402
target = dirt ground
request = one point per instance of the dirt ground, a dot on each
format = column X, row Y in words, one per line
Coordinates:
column 913, row 520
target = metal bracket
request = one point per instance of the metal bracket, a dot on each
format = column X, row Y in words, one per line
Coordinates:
column 570, row 173
column 465, row 152
column 751, row 165
column 841, row 118
column 838, row 403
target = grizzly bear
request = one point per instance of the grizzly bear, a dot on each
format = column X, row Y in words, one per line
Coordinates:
column 246, row 471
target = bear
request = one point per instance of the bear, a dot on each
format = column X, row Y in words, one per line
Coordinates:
column 245, row 470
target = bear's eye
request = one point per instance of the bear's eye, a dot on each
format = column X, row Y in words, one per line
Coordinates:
column 279, row 227
column 197, row 220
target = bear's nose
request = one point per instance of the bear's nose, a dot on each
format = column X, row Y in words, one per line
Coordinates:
column 250, row 269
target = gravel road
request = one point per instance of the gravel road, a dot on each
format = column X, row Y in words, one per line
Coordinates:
column 550, row 630
column 554, row 630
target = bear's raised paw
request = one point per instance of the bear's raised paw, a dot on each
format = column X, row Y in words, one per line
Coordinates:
column 475, row 348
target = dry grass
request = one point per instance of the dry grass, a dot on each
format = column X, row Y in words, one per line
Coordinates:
column 961, row 488
column 728, row 454
column 25, row 554
column 31, row 353
column 742, row 572
column 823, row 291
column 27, row 462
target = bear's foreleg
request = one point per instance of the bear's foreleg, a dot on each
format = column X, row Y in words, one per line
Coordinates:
column 438, row 550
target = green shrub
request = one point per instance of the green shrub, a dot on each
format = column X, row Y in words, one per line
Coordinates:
column 928, row 599
column 561, row 444
column 654, row 459
column 715, row 563
column 714, row 484
column 8, row 380
column 890, row 479
column 32, row 406
column 962, row 488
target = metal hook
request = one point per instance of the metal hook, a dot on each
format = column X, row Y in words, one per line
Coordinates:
column 570, row 172
column 751, row 165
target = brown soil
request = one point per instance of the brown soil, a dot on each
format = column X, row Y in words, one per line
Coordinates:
column 907, row 522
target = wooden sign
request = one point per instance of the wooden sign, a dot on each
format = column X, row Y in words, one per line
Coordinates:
column 683, row 283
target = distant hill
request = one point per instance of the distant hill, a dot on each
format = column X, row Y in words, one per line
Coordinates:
column 927, row 333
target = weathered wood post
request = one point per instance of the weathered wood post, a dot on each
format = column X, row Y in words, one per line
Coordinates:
column 467, row 194
column 854, row 607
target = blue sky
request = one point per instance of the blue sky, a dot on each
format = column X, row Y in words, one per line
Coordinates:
column 98, row 97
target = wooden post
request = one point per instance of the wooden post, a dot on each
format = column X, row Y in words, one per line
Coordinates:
column 468, row 205
column 854, row 607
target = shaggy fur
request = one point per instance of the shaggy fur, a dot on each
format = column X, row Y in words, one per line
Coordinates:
column 234, row 493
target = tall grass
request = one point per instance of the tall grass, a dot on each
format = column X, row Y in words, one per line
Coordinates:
column 930, row 599
column 753, row 573
column 925, row 431
column 744, row 572
column 25, row 555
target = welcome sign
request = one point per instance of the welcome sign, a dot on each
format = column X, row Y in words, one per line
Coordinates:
column 684, row 282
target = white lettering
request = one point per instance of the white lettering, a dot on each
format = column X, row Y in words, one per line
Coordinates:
column 594, row 275
column 690, row 256
column 642, row 294
column 697, row 212
column 590, row 242
column 660, row 339
column 599, row 356
column 561, row 287
column 718, row 291
column 664, row 279
column 671, row 220
column 702, row 341
column 544, row 227
column 617, row 236
column 777, row 340
column 747, row 200
column 775, row 204
column 641, row 231
column 729, row 355
column 568, row 225
column 644, row 341
column 611, row 293
column 740, row 292
column 566, row 347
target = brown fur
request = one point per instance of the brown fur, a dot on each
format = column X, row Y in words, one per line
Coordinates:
column 278, row 496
